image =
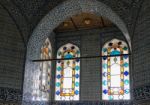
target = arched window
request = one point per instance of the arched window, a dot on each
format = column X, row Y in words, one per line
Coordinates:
column 42, row 80
column 115, row 71
column 67, row 73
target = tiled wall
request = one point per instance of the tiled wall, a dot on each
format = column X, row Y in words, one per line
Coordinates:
column 141, row 55
column 12, row 53
column 11, row 59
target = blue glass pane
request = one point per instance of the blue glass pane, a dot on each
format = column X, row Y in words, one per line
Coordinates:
column 64, row 48
column 105, row 91
column 58, row 76
column 57, row 92
column 115, row 52
column 76, row 92
column 77, row 60
column 125, row 56
column 126, row 73
column 68, row 56
column 104, row 74
column 77, row 75
column 104, row 58
column 127, row 91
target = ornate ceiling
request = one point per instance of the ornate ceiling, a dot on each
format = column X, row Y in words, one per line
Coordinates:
column 83, row 21
column 28, row 13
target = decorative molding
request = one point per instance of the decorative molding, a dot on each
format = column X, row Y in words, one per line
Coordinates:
column 79, row 103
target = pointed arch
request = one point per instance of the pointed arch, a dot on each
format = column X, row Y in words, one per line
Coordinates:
column 67, row 73
column 51, row 21
column 66, row 10
column 115, row 71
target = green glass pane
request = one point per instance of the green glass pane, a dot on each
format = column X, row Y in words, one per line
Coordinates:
column 104, row 49
column 77, row 84
column 59, row 68
column 110, row 97
column 125, row 64
column 104, row 82
column 104, row 66
column 115, row 59
column 59, row 53
column 126, row 82
column 125, row 48
column 78, row 52
column 77, row 67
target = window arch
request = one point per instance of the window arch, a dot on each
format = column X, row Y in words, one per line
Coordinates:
column 115, row 71
column 67, row 73
column 42, row 80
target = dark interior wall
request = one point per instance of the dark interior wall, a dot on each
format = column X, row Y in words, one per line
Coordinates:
column 141, row 55
column 90, row 43
column 12, row 52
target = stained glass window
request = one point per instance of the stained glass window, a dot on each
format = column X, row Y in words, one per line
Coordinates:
column 115, row 71
column 42, row 82
column 67, row 73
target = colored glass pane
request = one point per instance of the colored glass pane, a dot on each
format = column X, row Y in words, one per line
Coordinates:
column 42, row 80
column 115, row 52
column 67, row 73
column 115, row 71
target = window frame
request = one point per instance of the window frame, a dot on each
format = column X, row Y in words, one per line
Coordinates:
column 129, row 70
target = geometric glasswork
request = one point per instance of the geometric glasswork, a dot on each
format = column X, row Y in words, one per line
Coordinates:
column 67, row 73
column 115, row 71
column 42, row 83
